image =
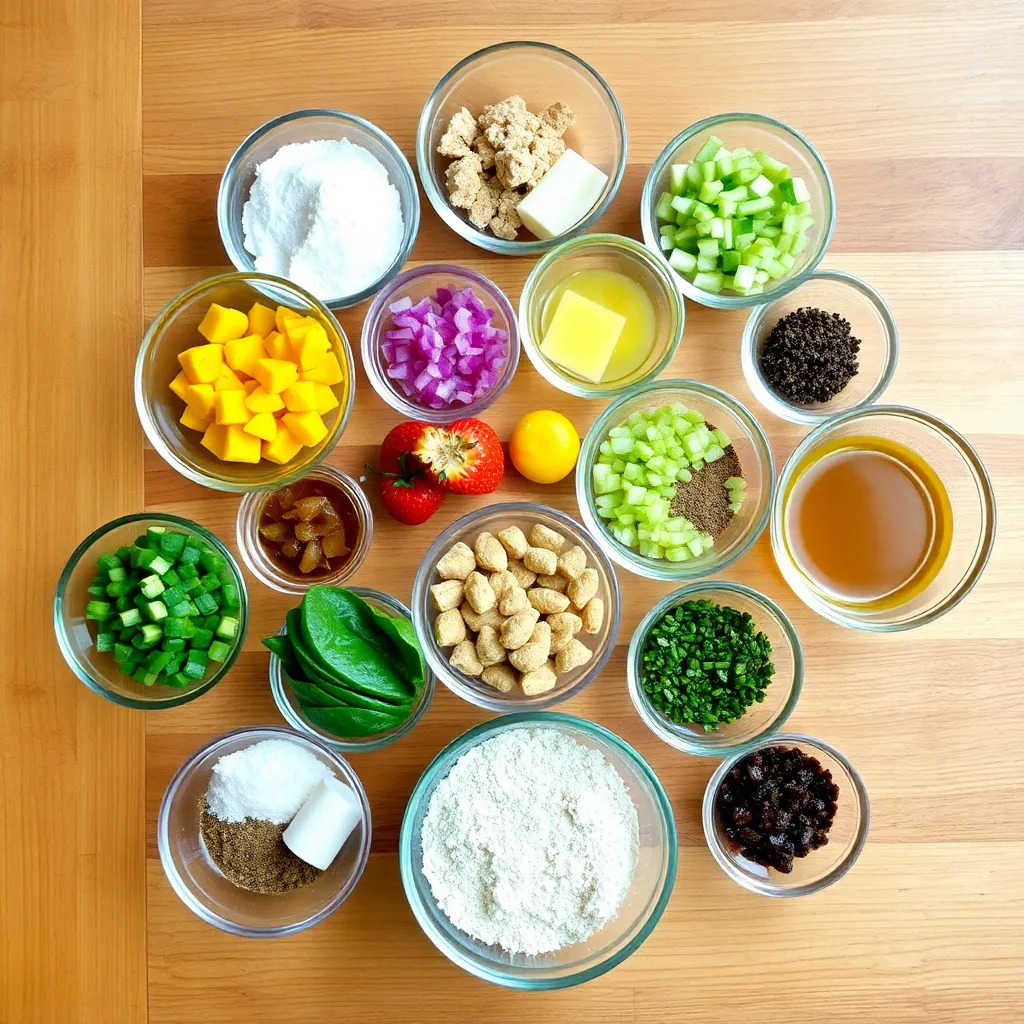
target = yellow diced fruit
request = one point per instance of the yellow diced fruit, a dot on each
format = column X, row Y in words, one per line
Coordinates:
column 262, row 425
column 282, row 315
column 202, row 363
column 325, row 372
column 249, row 386
column 298, row 325
column 214, row 440
column 242, row 354
column 180, row 385
column 277, row 346
column 228, row 380
column 307, row 427
column 240, row 446
column 261, row 320
column 222, row 324
column 261, row 400
column 275, row 374
column 200, row 399
column 231, row 408
column 194, row 421
column 325, row 399
column 283, row 448
column 300, row 396
column 311, row 349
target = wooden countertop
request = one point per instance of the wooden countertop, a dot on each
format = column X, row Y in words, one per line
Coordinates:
column 115, row 125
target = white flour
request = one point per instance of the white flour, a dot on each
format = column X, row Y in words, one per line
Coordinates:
column 530, row 842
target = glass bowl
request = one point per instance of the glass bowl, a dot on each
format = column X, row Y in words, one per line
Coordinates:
column 542, row 74
column 971, row 499
column 870, row 322
column 754, row 131
column 493, row 519
column 606, row 252
column 174, row 330
column 266, row 570
column 639, row 913
column 821, row 867
column 284, row 698
column 307, row 126
column 759, row 720
column 96, row 668
column 752, row 448
column 418, row 283
column 201, row 886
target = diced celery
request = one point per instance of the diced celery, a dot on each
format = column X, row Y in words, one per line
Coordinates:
column 622, row 445
column 717, row 227
column 761, row 277
column 696, row 547
column 712, row 145
column 663, row 211
column 706, row 264
column 709, row 191
column 725, row 164
column 721, row 437
column 755, row 205
column 702, row 211
column 665, row 243
column 682, row 204
column 714, row 453
column 677, row 178
column 694, row 178
column 708, row 170
column 708, row 247
column 744, row 276
column 735, row 506
column 788, row 260
column 726, row 207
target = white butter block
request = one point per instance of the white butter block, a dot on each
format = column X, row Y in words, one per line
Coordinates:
column 564, row 196
column 323, row 823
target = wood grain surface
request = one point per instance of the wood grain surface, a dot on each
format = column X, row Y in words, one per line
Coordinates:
column 917, row 106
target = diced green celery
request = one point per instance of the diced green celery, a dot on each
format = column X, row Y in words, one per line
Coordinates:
column 617, row 467
column 728, row 282
column 725, row 164
column 682, row 204
column 726, row 207
column 735, row 506
column 686, row 238
column 771, row 231
column 663, row 210
column 712, row 145
column 727, row 233
column 788, row 260
column 761, row 187
column 744, row 175
column 667, row 229
column 707, row 264
column 684, row 262
column 708, row 281
column 755, row 205
column 694, row 178
column 702, row 211
column 622, row 445
column 737, row 194
column 794, row 190
column 743, row 240
column 775, row 269
column 708, row 247
column 665, row 243
column 800, row 244
column 730, row 261
column 714, row 453
column 717, row 227
column 708, row 170
column 704, row 228
column 791, row 223
column 635, row 494
column 784, row 243
column 774, row 170
column 677, row 178
column 744, row 277
column 709, row 191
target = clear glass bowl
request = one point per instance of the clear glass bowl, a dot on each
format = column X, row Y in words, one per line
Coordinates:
column 752, row 448
column 605, row 252
column 97, row 669
column 754, row 131
column 973, row 514
column 422, row 282
column 542, row 74
column 821, row 867
column 289, row 707
column 267, row 571
column 493, row 519
column 199, row 884
column 640, row 912
column 759, row 720
column 307, row 126
column 174, row 330
column 870, row 322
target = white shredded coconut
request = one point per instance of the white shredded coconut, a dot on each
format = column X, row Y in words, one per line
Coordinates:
column 269, row 780
column 530, row 841
column 324, row 215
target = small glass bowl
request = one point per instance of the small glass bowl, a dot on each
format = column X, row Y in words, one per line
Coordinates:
column 752, row 448
column 821, row 867
column 266, row 570
column 649, row 890
column 971, row 498
column 759, row 720
column 307, row 126
column 870, row 322
column 542, row 74
column 97, row 669
column 606, row 252
column 199, row 884
column 289, row 707
column 422, row 282
column 493, row 519
column 174, row 330
column 754, row 131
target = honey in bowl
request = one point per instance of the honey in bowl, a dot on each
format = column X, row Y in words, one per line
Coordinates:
column 867, row 521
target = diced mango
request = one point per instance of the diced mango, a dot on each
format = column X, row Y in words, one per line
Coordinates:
column 307, row 427
column 325, row 372
column 300, row 396
column 242, row 354
column 222, row 324
column 240, row 446
column 214, row 440
column 283, row 448
column 277, row 346
column 261, row 320
column 275, row 374
column 202, row 363
column 262, row 425
column 311, row 348
column 200, row 399
column 231, row 408
column 326, row 400
column 191, row 419
column 228, row 380
column 296, row 326
column 249, row 386
column 283, row 314
column 261, row 400
column 180, row 384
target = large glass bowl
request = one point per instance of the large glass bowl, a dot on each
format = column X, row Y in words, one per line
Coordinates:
column 542, row 74
column 306, row 126
column 972, row 503
column 97, row 669
column 174, row 330
column 752, row 448
column 639, row 913
column 753, row 131
column 199, row 884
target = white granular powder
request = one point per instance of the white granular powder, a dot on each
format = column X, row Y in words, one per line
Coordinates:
column 269, row 780
column 324, row 215
column 530, row 841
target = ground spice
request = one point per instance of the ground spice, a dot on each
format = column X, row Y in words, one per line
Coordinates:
column 252, row 854
column 703, row 499
column 809, row 356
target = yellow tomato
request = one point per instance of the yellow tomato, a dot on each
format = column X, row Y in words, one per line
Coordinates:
column 544, row 446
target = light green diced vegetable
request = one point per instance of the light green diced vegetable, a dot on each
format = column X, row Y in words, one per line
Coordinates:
column 712, row 145
column 684, row 262
column 677, row 178
column 663, row 211
column 710, row 190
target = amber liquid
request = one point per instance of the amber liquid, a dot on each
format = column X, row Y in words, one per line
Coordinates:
column 868, row 521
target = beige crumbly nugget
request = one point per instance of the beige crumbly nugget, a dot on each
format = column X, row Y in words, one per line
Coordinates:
column 502, row 677
column 465, row 660
column 545, row 149
column 507, row 113
column 572, row 562
column 507, row 222
column 483, row 149
column 559, row 117
column 502, row 582
column 524, row 577
column 571, row 656
column 583, row 588
column 485, row 204
column 488, row 647
column 541, row 536
column 558, row 583
column 535, row 651
column 547, row 602
column 477, row 620
column 559, row 638
column 515, row 167
column 479, row 594
column 457, row 562
column 513, row 540
column 447, row 595
column 449, row 628
column 459, row 135
column 539, row 680
column 514, row 601
column 489, row 553
column 517, row 629
column 541, row 560
column 565, row 620
column 593, row 615
column 464, row 178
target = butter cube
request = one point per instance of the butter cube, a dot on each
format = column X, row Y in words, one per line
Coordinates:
column 582, row 336
column 563, row 197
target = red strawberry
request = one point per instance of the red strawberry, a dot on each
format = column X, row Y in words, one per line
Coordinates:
column 403, row 438
column 464, row 457
column 411, row 498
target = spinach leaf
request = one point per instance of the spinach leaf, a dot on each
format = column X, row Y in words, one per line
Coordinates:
column 351, row 721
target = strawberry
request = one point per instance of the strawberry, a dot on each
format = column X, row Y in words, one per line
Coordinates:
column 464, row 457
column 403, row 438
column 408, row 493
